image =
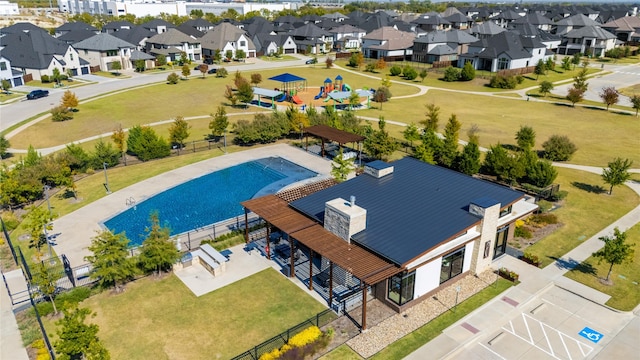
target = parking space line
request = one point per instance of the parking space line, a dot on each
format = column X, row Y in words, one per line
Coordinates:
column 527, row 318
column 491, row 351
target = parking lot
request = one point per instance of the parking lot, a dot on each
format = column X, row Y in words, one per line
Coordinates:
column 557, row 324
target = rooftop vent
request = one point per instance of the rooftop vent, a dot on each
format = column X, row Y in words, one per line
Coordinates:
column 378, row 169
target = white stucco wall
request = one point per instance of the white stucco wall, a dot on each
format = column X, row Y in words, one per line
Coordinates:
column 427, row 278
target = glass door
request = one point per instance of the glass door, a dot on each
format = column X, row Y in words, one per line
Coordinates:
column 501, row 242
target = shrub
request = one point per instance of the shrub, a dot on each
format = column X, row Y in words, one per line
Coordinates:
column 301, row 340
column 558, row 148
column 371, row 67
column 144, row 143
column 523, row 232
column 508, row 274
column 451, row 74
column 468, row 72
column 173, row 78
column 519, row 79
column 544, row 206
column 395, row 70
column 61, row 113
column 503, row 82
column 409, row 73
column 382, row 94
column 531, row 258
column 45, row 79
column 543, row 219
column 559, row 195
column 222, row 73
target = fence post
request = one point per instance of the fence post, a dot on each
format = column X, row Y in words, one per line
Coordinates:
column 44, row 332
column 194, row 146
column 6, row 236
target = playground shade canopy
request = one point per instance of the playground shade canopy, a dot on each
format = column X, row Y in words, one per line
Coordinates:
column 287, row 78
column 266, row 92
column 341, row 95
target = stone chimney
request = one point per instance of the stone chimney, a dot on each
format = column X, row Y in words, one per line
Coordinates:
column 344, row 218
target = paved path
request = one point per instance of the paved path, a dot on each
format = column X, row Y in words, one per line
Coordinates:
column 10, row 339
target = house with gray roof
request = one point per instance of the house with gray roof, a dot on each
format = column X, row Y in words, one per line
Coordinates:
column 335, row 16
column 74, row 26
column 573, row 22
column 14, row 76
column 505, row 51
column 431, row 22
column 158, row 26
column 441, row 46
column 504, row 18
column 347, row 37
column 485, row 30
column 104, row 50
column 35, row 53
column 199, row 24
column 459, row 21
column 115, row 26
column 592, row 40
column 136, row 35
column 75, row 36
column 226, row 37
column 312, row 37
column 400, row 232
column 270, row 44
column 172, row 43
column 534, row 19
column 388, row 42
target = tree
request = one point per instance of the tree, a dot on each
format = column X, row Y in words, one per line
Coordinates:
column 119, row 138
column 409, row 73
column 241, row 55
column 539, row 69
column 468, row 72
column 158, row 252
column 173, row 78
column 139, row 65
column 558, row 148
column 104, row 153
column 184, row 60
column 635, row 102
column 69, row 100
column 78, row 340
column 228, row 55
column 433, row 117
column 56, row 75
column 110, row 260
column 46, row 281
column 341, row 167
column 580, row 80
column 526, row 138
column 222, row 73
column 566, row 63
column 219, row 122
column 61, row 113
column 328, row 62
column 354, row 99
column 36, row 221
column 615, row 251
column 550, row 64
column 411, row 133
column 395, row 70
column 545, row 87
column 203, row 69
column 179, row 131
column 256, row 79
column 449, row 151
column 6, row 85
column 144, row 143
column 380, row 144
column 117, row 66
column 617, row 172
column 469, row 160
column 245, row 92
column 386, row 82
column 382, row 94
column 541, row 173
column 161, row 60
column 575, row 59
column 4, row 145
column 186, row 70
column 217, row 56
column 609, row 96
column 575, row 96
column 381, row 64
column 451, row 74
column 423, row 74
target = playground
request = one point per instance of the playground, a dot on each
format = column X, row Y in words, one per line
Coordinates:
column 294, row 90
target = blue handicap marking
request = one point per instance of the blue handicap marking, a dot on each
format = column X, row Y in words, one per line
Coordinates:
column 591, row 334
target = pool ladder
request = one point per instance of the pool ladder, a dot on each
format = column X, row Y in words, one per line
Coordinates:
column 131, row 202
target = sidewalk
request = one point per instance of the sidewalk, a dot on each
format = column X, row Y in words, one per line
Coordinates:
column 10, row 340
column 487, row 320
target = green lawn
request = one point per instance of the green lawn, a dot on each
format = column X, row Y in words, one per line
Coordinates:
column 625, row 291
column 630, row 90
column 429, row 331
column 599, row 135
column 585, row 212
column 162, row 319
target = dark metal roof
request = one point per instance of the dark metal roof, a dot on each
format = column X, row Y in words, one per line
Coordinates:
column 412, row 210
column 333, row 134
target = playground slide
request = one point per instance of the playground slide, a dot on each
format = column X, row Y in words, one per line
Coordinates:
column 320, row 93
column 282, row 98
column 346, row 87
column 296, row 99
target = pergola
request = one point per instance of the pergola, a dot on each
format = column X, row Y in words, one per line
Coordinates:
column 325, row 133
column 272, row 94
column 289, row 82
column 366, row 266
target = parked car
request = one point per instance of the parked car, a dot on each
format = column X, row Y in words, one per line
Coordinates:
column 311, row 61
column 212, row 71
column 36, row 94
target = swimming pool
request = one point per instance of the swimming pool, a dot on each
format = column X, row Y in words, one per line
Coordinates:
column 208, row 199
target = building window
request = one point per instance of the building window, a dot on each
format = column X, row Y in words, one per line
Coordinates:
column 112, row 52
column 3, row 65
column 71, row 57
column 243, row 43
column 506, row 211
column 451, row 265
column 401, row 288
column 503, row 64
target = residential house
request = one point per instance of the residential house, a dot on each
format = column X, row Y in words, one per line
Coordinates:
column 431, row 22
column 625, row 28
column 172, row 43
column 104, row 49
column 226, row 37
column 441, row 46
column 311, row 38
column 389, row 43
column 505, row 51
column 572, row 23
column 347, row 37
column 34, row 52
column 116, row 26
column 149, row 61
column 592, row 40
column 535, row 19
column 8, row 73
column 268, row 44
column 459, row 21
column 136, row 35
column 75, row 36
column 158, row 26
column 199, row 24
column 399, row 233
column 74, row 26
column 336, row 16
column 485, row 30
column 504, row 18
column 550, row 41
column 191, row 31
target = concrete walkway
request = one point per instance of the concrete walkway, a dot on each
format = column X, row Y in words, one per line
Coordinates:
column 534, row 289
column 10, row 339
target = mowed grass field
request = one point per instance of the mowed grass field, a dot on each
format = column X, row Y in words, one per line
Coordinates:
column 585, row 211
column 162, row 319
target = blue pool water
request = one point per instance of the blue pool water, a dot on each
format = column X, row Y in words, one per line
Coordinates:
column 208, row 199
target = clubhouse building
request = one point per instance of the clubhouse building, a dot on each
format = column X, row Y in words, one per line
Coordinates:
column 399, row 232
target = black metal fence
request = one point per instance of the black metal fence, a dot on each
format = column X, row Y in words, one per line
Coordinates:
column 276, row 342
column 8, row 240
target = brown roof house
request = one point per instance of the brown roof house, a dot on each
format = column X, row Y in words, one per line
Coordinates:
column 388, row 42
column 625, row 28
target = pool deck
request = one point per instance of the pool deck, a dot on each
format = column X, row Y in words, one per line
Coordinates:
column 76, row 229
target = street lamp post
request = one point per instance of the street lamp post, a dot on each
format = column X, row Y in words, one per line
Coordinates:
column 106, row 179
column 455, row 307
